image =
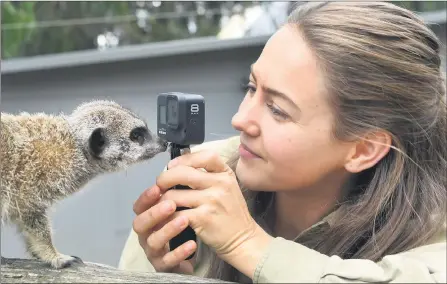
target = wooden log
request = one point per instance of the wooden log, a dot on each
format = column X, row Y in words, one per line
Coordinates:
column 15, row 270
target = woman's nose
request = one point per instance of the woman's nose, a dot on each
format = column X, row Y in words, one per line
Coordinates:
column 247, row 119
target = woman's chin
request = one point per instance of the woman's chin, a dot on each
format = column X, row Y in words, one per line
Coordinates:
column 250, row 178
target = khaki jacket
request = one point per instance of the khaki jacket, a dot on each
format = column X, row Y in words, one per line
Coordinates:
column 289, row 262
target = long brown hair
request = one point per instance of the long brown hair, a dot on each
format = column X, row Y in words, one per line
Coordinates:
column 382, row 70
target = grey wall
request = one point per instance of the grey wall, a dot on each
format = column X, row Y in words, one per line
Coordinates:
column 94, row 223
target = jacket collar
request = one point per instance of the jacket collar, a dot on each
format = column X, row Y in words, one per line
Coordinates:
column 326, row 222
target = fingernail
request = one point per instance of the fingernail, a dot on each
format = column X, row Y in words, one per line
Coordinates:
column 180, row 221
column 150, row 191
column 167, row 207
column 189, row 246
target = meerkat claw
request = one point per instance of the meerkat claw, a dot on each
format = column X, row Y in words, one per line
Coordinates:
column 77, row 259
column 64, row 261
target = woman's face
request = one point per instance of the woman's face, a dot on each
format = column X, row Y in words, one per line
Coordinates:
column 285, row 119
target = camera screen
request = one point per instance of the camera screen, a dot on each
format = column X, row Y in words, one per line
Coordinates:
column 172, row 112
column 162, row 114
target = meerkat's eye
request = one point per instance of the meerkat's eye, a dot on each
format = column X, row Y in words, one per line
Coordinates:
column 97, row 142
column 138, row 135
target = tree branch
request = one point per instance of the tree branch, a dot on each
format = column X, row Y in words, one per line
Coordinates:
column 15, row 270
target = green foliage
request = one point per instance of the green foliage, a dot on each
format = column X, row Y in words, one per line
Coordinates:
column 15, row 13
column 49, row 27
column 58, row 35
column 32, row 28
column 172, row 27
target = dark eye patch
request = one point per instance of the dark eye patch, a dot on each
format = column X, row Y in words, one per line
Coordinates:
column 139, row 135
column 97, row 142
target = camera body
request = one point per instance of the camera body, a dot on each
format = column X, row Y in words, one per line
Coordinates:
column 181, row 123
column 181, row 118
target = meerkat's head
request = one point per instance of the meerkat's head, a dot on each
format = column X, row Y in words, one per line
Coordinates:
column 113, row 137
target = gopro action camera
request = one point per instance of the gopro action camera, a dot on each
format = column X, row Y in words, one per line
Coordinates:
column 181, row 118
column 181, row 122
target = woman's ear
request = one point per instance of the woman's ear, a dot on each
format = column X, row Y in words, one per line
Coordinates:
column 367, row 152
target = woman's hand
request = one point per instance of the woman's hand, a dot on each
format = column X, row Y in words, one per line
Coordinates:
column 155, row 226
column 219, row 213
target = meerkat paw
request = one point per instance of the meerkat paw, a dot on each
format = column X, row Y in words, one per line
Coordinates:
column 63, row 261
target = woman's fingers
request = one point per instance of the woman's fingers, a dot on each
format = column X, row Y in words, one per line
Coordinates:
column 177, row 256
column 211, row 161
column 186, row 198
column 183, row 175
column 158, row 239
column 156, row 224
column 147, row 220
column 184, row 267
column 146, row 199
column 158, row 248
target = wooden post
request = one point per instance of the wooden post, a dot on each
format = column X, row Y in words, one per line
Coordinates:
column 15, row 270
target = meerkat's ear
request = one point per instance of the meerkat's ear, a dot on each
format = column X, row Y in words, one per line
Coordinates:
column 97, row 142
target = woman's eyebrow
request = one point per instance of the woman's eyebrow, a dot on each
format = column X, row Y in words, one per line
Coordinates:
column 275, row 93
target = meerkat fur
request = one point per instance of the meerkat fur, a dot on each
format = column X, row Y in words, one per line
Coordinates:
column 45, row 158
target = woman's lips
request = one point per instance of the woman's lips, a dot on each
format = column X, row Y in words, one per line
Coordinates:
column 246, row 153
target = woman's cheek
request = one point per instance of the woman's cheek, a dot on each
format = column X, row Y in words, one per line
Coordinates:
column 282, row 148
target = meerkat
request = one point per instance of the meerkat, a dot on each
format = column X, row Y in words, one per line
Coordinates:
column 45, row 158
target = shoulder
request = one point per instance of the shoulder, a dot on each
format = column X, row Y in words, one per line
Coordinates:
column 224, row 147
column 297, row 263
column 431, row 252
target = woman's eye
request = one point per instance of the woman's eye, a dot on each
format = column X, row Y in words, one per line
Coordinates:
column 277, row 112
column 250, row 88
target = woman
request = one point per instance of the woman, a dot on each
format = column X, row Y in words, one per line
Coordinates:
column 340, row 174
